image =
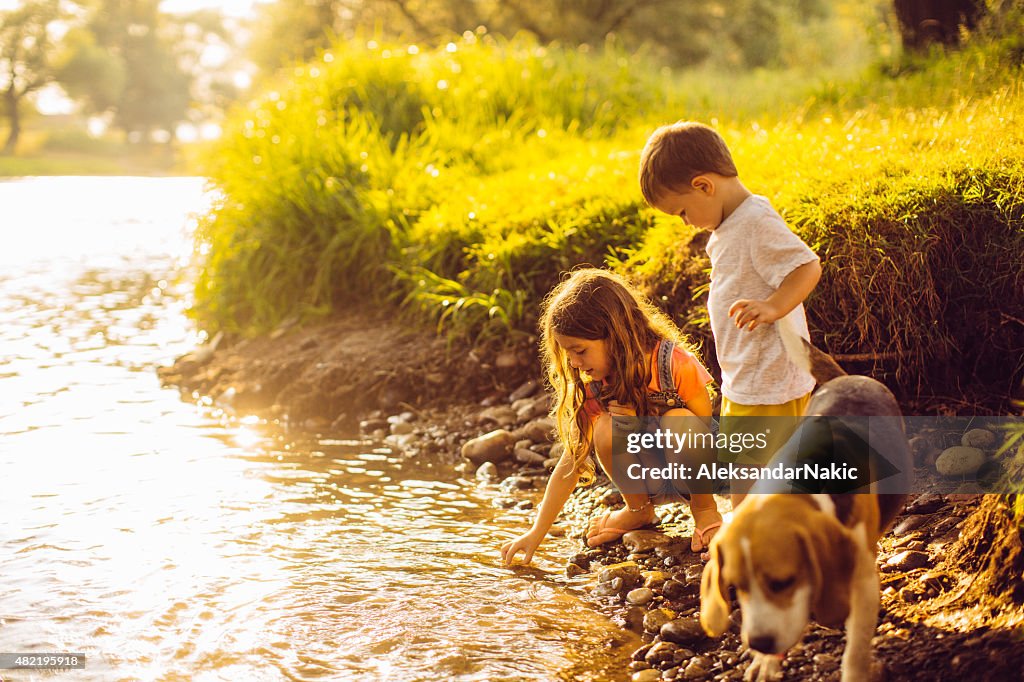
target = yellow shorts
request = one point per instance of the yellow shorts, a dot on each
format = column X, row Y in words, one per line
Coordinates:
column 777, row 428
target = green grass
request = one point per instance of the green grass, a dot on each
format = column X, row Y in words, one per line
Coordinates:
column 457, row 184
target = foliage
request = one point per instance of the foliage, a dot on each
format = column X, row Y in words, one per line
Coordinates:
column 737, row 33
column 326, row 180
column 459, row 182
column 25, row 57
column 131, row 58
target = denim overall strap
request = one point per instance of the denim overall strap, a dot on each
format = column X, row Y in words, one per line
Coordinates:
column 666, row 383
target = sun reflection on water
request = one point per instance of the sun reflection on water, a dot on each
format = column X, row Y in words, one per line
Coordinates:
column 169, row 540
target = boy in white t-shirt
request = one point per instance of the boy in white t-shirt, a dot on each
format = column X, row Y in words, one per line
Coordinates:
column 760, row 273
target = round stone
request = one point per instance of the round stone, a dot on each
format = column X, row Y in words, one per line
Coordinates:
column 640, row 596
column 979, row 438
column 959, row 461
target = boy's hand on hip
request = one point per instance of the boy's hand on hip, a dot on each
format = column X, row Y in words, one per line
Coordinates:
column 749, row 314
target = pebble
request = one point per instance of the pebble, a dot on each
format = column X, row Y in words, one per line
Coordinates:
column 959, row 461
column 694, row 573
column 635, row 621
column 825, row 662
column 910, row 595
column 656, row 618
column 525, row 390
column 908, row 560
column 539, row 430
column 495, row 446
column 573, row 570
column 649, row 675
column 673, row 548
column 661, row 653
column 946, row 524
column 910, row 523
column 644, row 540
column 673, row 589
column 924, row 450
column 518, row 405
column 655, row 579
column 532, row 408
column 627, row 571
column 683, row 631
column 935, row 579
column 502, row 415
column 640, row 596
column 979, row 438
column 581, row 559
column 516, row 483
column 697, row 669
column 529, row 457
column 487, row 471
column 367, row 426
column 926, row 504
column 506, row 359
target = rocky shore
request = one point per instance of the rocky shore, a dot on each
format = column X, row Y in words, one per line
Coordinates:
column 488, row 411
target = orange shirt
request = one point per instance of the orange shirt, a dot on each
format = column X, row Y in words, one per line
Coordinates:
column 690, row 377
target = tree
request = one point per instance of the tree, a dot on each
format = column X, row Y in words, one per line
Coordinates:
column 293, row 30
column 89, row 74
column 924, row 22
column 122, row 59
column 26, row 45
column 744, row 33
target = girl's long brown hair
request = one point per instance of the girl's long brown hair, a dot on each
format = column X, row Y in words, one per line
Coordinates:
column 597, row 304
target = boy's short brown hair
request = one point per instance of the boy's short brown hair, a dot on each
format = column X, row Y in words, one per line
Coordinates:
column 676, row 154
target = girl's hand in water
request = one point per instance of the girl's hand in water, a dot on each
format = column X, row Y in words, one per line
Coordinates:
column 527, row 542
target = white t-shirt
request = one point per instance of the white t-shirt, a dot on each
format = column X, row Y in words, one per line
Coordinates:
column 751, row 252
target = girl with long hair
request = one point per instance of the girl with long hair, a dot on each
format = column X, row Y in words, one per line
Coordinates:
column 600, row 341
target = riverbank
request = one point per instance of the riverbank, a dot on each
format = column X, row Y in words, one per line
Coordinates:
column 947, row 609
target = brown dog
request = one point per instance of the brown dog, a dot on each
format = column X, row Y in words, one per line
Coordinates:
column 794, row 557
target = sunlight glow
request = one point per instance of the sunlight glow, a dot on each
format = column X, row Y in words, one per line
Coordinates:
column 231, row 8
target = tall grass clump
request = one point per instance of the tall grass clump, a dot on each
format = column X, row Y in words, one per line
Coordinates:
column 323, row 179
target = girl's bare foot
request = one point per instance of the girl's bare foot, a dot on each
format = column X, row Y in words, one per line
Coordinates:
column 706, row 522
column 614, row 524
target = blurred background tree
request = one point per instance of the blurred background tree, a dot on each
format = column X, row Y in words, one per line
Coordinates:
column 146, row 70
column 741, row 33
column 122, row 59
column 26, row 58
column 925, row 22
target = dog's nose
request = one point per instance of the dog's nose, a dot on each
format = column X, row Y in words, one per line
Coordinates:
column 763, row 643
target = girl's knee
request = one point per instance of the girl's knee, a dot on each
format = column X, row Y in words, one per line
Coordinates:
column 603, row 435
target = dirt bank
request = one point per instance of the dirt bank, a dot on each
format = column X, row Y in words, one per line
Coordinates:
column 952, row 570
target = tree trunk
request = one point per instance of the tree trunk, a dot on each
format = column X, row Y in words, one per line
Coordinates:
column 11, row 100
column 923, row 22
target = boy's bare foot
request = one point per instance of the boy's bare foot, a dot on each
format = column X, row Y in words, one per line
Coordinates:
column 614, row 524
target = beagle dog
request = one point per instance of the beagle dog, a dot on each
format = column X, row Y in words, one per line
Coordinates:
column 793, row 557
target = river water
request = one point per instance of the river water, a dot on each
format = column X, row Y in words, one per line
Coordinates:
column 167, row 540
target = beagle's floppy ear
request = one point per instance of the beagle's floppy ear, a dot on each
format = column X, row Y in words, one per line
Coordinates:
column 714, row 599
column 830, row 558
